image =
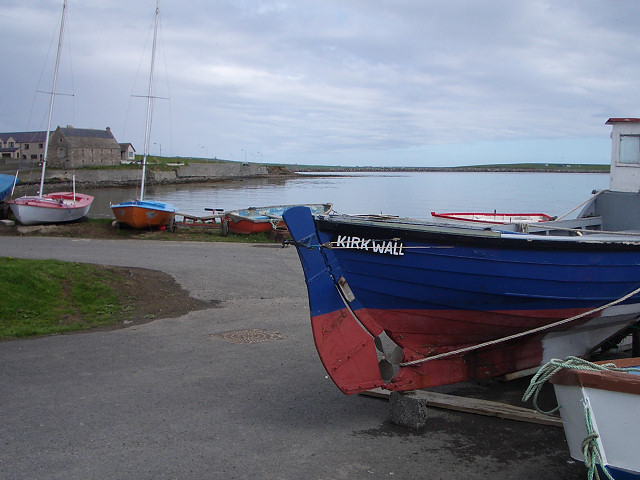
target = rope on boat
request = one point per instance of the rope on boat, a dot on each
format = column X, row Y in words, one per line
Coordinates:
column 336, row 246
column 522, row 334
column 590, row 448
column 554, row 365
column 577, row 207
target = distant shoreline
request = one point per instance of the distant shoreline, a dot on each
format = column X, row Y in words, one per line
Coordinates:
column 226, row 171
column 515, row 168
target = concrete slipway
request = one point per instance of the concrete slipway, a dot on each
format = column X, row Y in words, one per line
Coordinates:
column 167, row 399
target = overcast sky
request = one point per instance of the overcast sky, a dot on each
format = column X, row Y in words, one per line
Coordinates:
column 338, row 82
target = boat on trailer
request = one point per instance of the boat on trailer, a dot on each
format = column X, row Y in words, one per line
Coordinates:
column 405, row 304
column 263, row 219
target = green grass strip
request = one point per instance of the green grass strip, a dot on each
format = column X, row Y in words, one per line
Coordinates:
column 44, row 297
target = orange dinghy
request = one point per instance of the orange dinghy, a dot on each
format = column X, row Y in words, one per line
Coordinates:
column 145, row 214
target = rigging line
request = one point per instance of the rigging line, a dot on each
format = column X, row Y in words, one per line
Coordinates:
column 54, row 36
column 577, row 207
column 142, row 60
column 163, row 50
column 67, row 39
column 522, row 334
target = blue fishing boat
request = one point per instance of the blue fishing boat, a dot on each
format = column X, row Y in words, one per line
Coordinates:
column 404, row 304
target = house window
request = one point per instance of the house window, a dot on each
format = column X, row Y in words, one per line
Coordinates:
column 10, row 144
column 629, row 149
column 26, row 146
column 130, row 154
column 40, row 145
column 34, row 157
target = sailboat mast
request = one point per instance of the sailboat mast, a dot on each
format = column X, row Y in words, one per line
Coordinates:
column 52, row 97
column 147, row 130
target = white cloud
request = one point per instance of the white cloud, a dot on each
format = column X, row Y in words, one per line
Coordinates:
column 339, row 81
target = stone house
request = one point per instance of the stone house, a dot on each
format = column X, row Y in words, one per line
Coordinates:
column 68, row 148
column 82, row 147
column 20, row 149
column 127, row 153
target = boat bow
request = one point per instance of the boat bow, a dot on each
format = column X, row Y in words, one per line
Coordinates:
column 347, row 348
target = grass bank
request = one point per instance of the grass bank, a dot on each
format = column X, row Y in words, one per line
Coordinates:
column 49, row 297
column 44, row 297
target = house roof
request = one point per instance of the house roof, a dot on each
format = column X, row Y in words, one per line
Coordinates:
column 24, row 137
column 86, row 133
column 622, row 120
column 125, row 146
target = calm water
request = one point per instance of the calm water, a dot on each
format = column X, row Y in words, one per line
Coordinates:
column 404, row 194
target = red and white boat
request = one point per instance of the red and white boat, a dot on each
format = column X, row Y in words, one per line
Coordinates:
column 55, row 207
column 493, row 218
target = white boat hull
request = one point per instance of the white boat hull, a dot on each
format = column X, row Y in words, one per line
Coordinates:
column 60, row 207
column 613, row 404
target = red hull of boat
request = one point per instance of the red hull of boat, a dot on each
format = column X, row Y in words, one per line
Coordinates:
column 246, row 227
column 337, row 332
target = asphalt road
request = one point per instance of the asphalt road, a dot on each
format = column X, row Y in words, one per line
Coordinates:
column 170, row 399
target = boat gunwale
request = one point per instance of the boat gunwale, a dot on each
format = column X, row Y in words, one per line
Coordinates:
column 454, row 235
column 146, row 205
column 51, row 200
column 611, row 380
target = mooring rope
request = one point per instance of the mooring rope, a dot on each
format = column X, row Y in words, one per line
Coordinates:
column 555, row 365
column 590, row 448
column 521, row 334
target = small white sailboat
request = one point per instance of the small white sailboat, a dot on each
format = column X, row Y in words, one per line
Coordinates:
column 141, row 213
column 58, row 206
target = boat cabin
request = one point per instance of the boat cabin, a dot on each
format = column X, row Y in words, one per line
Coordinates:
column 616, row 209
column 625, row 154
column 619, row 206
